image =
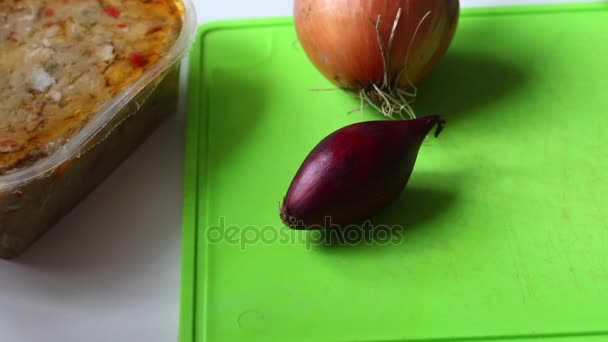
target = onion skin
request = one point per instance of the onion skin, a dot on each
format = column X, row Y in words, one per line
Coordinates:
column 355, row 172
column 342, row 42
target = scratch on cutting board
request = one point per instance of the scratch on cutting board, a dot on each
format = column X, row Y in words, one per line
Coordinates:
column 566, row 215
column 521, row 274
column 565, row 199
column 521, row 283
column 249, row 318
column 566, row 255
column 515, row 264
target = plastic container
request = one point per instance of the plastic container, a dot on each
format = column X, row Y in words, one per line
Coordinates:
column 501, row 234
column 32, row 199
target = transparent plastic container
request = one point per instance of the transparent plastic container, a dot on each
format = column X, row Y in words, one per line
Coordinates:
column 34, row 198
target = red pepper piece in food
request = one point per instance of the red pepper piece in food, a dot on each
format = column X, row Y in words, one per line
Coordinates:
column 112, row 11
column 155, row 29
column 18, row 194
column 8, row 145
column 48, row 12
column 122, row 25
column 138, row 59
column 12, row 36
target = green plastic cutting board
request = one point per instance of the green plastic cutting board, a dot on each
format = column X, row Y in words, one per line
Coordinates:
column 504, row 224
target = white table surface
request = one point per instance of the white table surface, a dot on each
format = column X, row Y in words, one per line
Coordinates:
column 110, row 270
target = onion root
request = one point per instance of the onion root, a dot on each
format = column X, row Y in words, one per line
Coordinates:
column 386, row 97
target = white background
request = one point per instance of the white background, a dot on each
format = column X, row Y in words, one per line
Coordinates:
column 110, row 270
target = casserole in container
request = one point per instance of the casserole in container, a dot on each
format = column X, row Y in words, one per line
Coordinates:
column 82, row 82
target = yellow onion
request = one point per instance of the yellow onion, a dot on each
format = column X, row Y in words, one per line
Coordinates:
column 378, row 49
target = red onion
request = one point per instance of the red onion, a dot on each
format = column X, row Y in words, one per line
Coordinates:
column 355, row 172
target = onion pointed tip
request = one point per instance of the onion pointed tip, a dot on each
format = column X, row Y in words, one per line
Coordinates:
column 440, row 126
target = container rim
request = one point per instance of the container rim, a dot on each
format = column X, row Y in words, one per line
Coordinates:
column 72, row 147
